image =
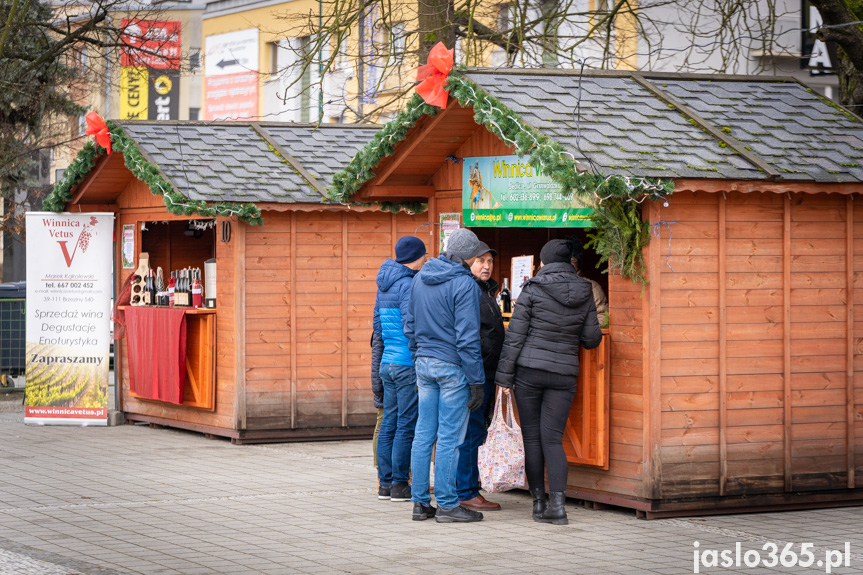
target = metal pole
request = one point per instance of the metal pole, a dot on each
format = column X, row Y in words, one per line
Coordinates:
column 321, row 62
column 360, row 80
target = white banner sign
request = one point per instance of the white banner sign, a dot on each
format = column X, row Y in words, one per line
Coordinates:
column 69, row 275
column 231, row 53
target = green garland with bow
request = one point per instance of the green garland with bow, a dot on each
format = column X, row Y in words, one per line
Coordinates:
column 175, row 202
column 618, row 234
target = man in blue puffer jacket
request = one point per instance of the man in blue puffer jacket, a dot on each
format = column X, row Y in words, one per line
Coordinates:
column 442, row 324
column 397, row 374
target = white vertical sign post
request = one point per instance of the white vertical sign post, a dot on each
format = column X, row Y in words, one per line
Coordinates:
column 69, row 275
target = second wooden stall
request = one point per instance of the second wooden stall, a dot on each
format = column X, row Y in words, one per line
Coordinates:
column 732, row 379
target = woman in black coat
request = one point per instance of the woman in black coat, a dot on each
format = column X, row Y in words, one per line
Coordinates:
column 554, row 315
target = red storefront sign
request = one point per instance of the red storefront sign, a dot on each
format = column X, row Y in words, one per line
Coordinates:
column 151, row 43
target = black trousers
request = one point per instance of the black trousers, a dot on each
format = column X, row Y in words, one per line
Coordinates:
column 544, row 400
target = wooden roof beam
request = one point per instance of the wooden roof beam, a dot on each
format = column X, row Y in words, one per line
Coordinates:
column 389, row 192
column 91, row 177
column 410, row 145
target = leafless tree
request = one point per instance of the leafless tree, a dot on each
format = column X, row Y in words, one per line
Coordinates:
column 843, row 24
column 389, row 40
column 49, row 56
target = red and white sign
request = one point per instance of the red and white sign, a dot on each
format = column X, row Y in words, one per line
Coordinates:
column 68, row 317
column 151, row 43
column 232, row 97
column 231, row 75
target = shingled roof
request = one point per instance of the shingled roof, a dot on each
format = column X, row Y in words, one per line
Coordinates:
column 249, row 162
column 686, row 126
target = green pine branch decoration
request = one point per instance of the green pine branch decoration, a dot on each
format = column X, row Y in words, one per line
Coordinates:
column 361, row 169
column 619, row 234
column 175, row 202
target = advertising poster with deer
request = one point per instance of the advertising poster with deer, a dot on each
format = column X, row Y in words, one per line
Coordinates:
column 69, row 279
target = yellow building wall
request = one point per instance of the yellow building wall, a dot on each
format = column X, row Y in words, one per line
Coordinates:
column 100, row 89
column 274, row 23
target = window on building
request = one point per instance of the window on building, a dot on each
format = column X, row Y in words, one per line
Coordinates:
column 79, row 126
column 504, row 17
column 274, row 57
column 550, row 23
column 194, row 114
column 194, row 59
column 398, row 39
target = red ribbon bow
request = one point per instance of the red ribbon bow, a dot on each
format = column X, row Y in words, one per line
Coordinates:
column 433, row 76
column 96, row 127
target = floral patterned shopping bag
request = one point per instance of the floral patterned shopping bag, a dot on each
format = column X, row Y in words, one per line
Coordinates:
column 501, row 457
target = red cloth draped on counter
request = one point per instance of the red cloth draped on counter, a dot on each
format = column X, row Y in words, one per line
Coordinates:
column 156, row 339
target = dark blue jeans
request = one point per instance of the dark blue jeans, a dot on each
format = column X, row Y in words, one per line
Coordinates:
column 467, row 473
column 396, row 435
column 444, row 395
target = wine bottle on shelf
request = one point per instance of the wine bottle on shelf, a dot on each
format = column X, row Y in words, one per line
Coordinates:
column 181, row 295
column 506, row 297
column 178, row 289
column 150, row 289
column 172, row 283
column 161, row 294
column 196, row 289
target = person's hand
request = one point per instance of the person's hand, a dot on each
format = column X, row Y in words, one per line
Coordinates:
column 379, row 397
column 506, row 391
column 476, row 397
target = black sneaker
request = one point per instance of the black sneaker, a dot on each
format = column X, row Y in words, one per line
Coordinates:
column 400, row 492
column 384, row 492
column 457, row 514
column 423, row 512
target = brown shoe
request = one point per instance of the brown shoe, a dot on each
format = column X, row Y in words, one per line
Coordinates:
column 480, row 503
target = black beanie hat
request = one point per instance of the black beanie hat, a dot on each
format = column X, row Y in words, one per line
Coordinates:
column 556, row 251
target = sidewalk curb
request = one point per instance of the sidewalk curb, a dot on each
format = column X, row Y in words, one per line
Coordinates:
column 116, row 418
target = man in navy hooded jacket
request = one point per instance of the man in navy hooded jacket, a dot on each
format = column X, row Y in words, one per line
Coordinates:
column 397, row 374
column 442, row 325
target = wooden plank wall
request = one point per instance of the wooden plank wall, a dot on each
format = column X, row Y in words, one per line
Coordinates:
column 819, row 298
column 754, row 343
column 626, row 404
column 308, row 358
column 857, row 341
column 224, row 416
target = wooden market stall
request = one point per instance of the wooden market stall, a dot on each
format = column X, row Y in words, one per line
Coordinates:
column 733, row 380
column 285, row 354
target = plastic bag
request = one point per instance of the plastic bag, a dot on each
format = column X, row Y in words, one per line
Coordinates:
column 501, row 457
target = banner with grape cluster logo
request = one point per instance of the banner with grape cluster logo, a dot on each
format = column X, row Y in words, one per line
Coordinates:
column 69, row 279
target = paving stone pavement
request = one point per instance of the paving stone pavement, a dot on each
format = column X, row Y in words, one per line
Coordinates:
column 134, row 500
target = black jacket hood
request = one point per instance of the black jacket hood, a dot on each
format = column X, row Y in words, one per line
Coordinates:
column 556, row 280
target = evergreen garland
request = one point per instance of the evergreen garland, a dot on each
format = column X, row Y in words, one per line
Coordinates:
column 175, row 202
column 619, row 234
column 361, row 168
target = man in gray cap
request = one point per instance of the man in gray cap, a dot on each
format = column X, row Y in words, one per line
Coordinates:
column 442, row 326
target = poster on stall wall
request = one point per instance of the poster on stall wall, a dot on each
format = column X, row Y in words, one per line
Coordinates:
column 69, row 279
column 128, row 246
column 522, row 270
column 449, row 222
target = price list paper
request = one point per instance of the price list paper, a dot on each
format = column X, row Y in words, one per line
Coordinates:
column 69, row 275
